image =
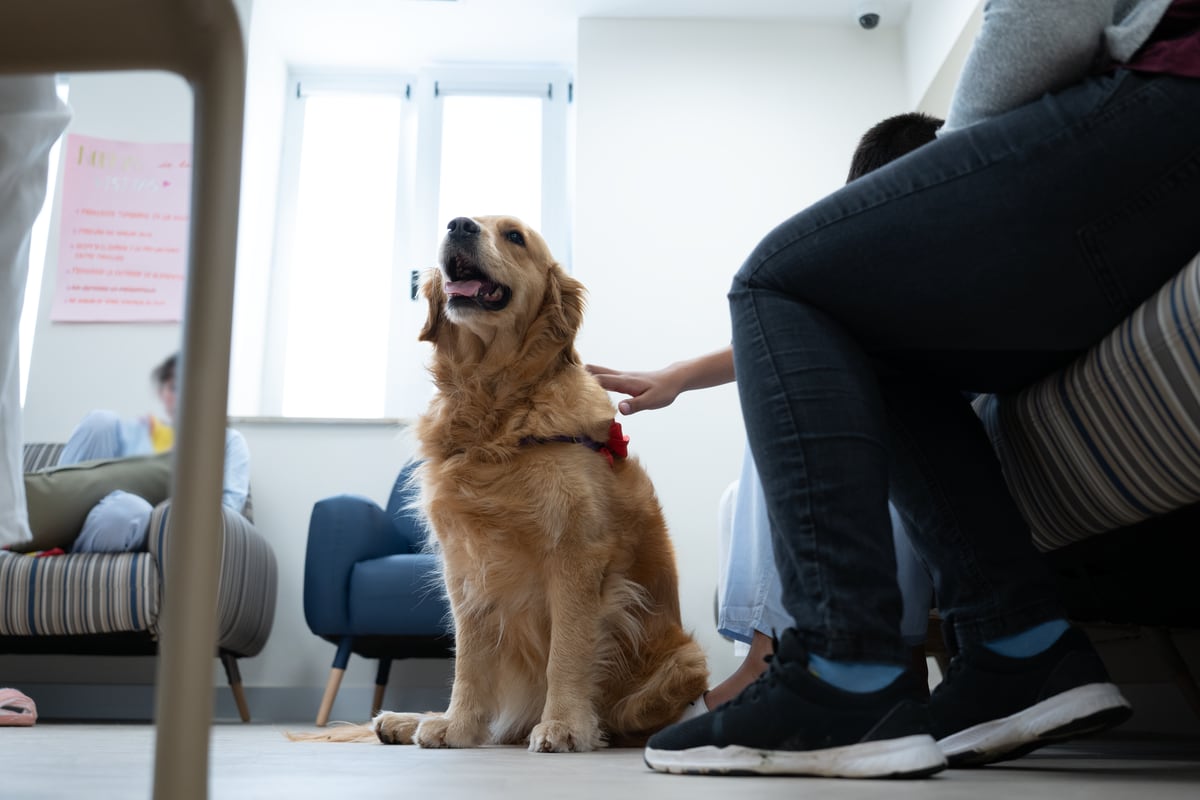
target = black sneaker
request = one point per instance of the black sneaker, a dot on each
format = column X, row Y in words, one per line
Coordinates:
column 994, row 708
column 789, row 722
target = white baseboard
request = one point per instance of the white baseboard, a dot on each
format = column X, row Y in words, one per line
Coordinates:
column 289, row 705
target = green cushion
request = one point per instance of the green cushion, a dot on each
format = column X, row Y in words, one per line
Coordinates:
column 60, row 498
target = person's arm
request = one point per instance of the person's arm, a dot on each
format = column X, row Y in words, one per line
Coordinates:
column 659, row 388
column 237, row 471
column 1024, row 49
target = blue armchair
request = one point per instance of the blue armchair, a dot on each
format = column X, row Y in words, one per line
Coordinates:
column 371, row 587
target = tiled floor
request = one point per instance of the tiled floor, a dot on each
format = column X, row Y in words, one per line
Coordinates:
column 256, row 761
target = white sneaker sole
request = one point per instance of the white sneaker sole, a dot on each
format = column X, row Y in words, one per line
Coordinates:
column 1075, row 712
column 906, row 757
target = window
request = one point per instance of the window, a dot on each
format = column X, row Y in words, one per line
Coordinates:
column 372, row 170
column 501, row 172
column 340, row 257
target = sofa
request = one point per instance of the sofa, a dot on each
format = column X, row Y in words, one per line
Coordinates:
column 1103, row 459
column 111, row 603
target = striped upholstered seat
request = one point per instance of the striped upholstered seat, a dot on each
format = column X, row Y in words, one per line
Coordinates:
column 1114, row 439
column 111, row 602
column 79, row 594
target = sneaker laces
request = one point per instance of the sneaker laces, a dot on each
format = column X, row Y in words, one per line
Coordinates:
column 766, row 681
column 772, row 676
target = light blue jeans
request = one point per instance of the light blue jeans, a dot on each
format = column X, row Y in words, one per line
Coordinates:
column 121, row 520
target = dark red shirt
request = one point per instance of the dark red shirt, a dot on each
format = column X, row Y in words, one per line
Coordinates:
column 1174, row 47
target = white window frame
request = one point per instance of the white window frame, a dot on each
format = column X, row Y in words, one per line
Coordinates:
column 417, row 231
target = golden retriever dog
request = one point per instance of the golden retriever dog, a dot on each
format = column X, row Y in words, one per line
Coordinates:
column 557, row 563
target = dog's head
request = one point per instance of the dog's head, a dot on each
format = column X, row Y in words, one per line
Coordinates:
column 497, row 280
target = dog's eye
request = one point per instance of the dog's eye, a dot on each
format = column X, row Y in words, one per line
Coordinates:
column 515, row 237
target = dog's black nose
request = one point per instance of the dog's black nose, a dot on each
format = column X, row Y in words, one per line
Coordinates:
column 462, row 228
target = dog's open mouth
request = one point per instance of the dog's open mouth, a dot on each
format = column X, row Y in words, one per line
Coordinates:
column 466, row 283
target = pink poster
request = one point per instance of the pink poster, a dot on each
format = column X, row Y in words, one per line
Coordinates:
column 123, row 239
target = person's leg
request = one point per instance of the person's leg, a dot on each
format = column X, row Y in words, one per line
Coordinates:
column 31, row 119
column 916, row 588
column 978, row 262
column 119, row 523
column 749, row 598
column 104, row 434
column 749, row 605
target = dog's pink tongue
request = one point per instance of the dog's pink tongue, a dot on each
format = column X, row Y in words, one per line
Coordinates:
column 463, row 288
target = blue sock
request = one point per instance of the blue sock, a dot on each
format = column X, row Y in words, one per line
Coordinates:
column 1031, row 641
column 851, row 676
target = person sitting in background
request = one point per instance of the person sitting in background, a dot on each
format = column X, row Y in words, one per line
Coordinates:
column 120, row 521
column 105, row 434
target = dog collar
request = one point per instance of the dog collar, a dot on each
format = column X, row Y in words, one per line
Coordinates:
column 616, row 447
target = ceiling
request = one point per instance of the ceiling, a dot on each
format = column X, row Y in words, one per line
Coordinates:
column 892, row 12
column 372, row 33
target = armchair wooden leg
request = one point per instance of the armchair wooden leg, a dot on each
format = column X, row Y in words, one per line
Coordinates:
column 381, row 680
column 331, row 690
column 335, row 680
column 234, row 675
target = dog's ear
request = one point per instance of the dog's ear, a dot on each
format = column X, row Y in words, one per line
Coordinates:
column 565, row 301
column 435, row 296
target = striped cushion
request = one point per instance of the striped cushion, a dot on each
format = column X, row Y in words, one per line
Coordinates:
column 78, row 594
column 42, row 455
column 83, row 593
column 1114, row 438
column 248, row 584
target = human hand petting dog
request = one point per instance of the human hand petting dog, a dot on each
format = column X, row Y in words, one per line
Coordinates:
column 659, row 388
column 646, row 390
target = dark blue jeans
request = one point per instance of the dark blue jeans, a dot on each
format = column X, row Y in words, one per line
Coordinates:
column 980, row 262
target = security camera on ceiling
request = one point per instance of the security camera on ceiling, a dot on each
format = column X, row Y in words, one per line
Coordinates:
column 868, row 15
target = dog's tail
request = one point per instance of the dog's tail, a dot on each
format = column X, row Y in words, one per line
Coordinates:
column 338, row 732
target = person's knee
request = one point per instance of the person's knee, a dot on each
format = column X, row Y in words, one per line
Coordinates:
column 769, row 269
column 118, row 523
column 98, row 435
column 99, row 421
column 99, row 425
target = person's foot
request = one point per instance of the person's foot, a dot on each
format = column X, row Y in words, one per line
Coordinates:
column 789, row 722
column 16, row 709
column 753, row 665
column 994, row 708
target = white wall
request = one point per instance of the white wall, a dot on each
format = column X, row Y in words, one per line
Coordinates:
column 933, row 30
column 693, row 140
column 935, row 97
column 80, row 366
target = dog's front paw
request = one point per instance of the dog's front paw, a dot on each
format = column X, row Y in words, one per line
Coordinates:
column 447, row 732
column 553, row 736
column 394, row 728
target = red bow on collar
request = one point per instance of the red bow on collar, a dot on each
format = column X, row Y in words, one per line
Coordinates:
column 617, row 445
